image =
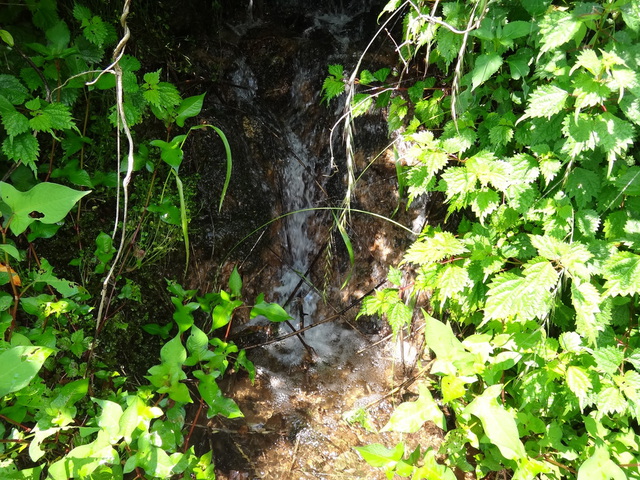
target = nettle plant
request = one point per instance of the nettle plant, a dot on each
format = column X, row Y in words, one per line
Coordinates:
column 525, row 120
column 63, row 413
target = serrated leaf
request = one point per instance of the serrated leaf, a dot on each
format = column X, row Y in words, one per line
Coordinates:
column 608, row 359
column 15, row 123
column 81, row 12
column 586, row 300
column 622, row 274
column 523, row 297
column 451, row 280
column 399, row 315
column 499, row 425
column 583, row 185
column 556, row 29
column 484, row 202
column 580, row 384
column 409, row 417
column 629, row 182
column 587, row 222
column 59, row 116
column 332, row 87
column 434, row 247
column 610, row 400
column 23, row 148
column 545, row 101
column 486, row 65
column 458, row 180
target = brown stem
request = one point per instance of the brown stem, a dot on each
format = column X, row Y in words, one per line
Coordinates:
column 13, row 422
column 193, row 426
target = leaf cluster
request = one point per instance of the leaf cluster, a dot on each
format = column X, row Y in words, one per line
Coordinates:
column 533, row 148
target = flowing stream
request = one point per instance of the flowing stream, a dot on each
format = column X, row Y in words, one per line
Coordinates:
column 293, row 425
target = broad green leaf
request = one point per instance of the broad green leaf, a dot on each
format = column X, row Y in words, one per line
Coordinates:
column 486, row 65
column 19, row 366
column 452, row 387
column 212, row 395
column 190, row 107
column 408, row 417
column 273, row 311
column 498, row 424
column 600, row 467
column 484, row 202
column 183, row 313
column 46, row 202
column 516, row 29
column 432, row 470
column 109, row 419
column 622, row 274
column 173, row 352
column 378, row 455
column 59, row 116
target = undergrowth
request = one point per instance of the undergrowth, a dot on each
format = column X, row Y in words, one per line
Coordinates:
column 524, row 114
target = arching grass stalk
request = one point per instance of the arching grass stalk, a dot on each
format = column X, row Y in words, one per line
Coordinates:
column 314, row 209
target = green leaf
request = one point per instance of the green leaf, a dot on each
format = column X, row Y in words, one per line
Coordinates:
column 583, row 185
column 273, row 311
column 622, row 274
column 545, row 101
column 580, row 384
column 586, row 300
column 23, row 148
column 608, row 359
column 432, row 470
column 484, row 202
column 557, row 28
column 486, row 65
column 409, row 417
column 235, row 283
column 12, row 89
column 59, row 36
column 59, row 116
column 600, row 467
column 523, row 297
column 378, row 455
column 399, row 315
column 629, row 182
column 19, row 366
column 15, row 123
column 432, row 247
column 190, row 107
column 46, row 202
column 498, row 424
column 212, row 395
